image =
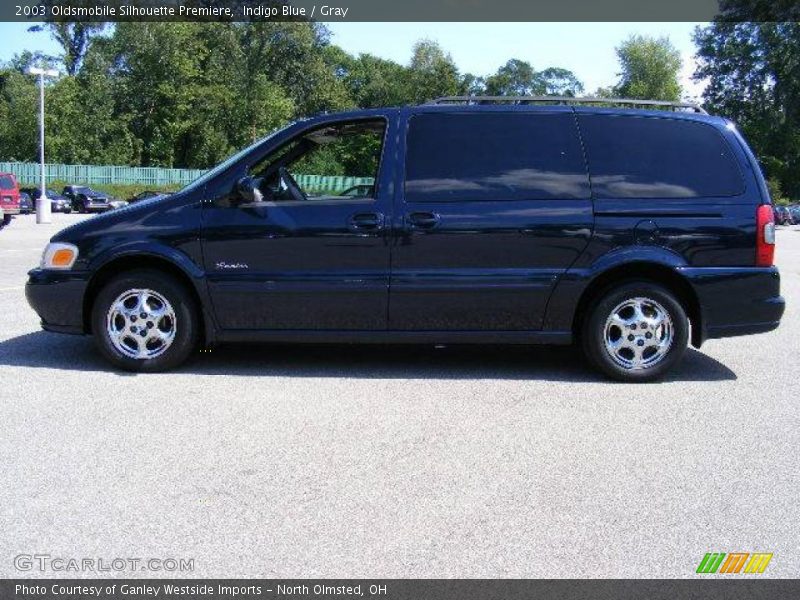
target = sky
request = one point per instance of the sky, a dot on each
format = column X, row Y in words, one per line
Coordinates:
column 587, row 49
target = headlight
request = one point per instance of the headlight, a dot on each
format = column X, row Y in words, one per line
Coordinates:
column 58, row 255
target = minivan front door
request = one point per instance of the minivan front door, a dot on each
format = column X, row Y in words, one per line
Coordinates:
column 307, row 251
column 494, row 206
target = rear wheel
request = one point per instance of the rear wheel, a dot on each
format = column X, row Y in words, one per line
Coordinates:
column 145, row 321
column 636, row 332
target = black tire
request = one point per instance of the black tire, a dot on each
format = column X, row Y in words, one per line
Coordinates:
column 593, row 333
column 6, row 220
column 185, row 323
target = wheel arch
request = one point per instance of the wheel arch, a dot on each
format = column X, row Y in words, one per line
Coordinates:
column 129, row 262
column 660, row 273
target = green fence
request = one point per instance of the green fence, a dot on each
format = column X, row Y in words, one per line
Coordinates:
column 93, row 174
column 153, row 176
column 327, row 183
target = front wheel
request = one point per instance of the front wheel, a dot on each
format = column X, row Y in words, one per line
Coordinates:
column 636, row 332
column 145, row 321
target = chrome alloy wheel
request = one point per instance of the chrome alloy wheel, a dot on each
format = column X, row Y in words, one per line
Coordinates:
column 141, row 324
column 638, row 334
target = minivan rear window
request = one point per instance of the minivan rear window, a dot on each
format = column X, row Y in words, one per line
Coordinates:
column 656, row 157
column 494, row 157
column 6, row 183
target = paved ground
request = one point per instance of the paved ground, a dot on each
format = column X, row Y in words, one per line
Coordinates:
column 396, row 462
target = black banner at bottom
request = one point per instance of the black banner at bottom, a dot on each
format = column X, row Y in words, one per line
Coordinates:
column 399, row 589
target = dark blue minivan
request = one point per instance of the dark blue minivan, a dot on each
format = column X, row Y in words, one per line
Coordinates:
column 632, row 232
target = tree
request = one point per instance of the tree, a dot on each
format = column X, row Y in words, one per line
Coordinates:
column 515, row 78
column 75, row 38
column 560, row 82
column 753, row 77
column 19, row 101
column 650, row 68
column 293, row 56
column 433, row 73
column 371, row 81
column 472, row 85
column 519, row 78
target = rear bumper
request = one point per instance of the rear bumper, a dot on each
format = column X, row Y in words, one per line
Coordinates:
column 736, row 301
column 57, row 297
column 11, row 210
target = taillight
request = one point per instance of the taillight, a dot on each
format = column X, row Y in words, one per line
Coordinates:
column 765, row 236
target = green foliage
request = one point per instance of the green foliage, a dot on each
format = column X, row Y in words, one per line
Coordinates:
column 775, row 189
column 352, row 156
column 560, row 82
column 515, row 78
column 115, row 190
column 519, row 78
column 370, row 81
column 650, row 69
column 433, row 73
column 19, row 97
column 74, row 37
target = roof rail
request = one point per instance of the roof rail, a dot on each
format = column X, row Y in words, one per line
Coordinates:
column 631, row 102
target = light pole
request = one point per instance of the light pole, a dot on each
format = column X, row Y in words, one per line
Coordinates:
column 43, row 213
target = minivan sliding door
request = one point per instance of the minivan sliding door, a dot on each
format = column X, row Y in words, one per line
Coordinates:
column 493, row 206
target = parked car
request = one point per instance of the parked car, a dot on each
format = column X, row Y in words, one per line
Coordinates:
column 117, row 203
column 147, row 195
column 784, row 216
column 84, row 199
column 794, row 212
column 25, row 203
column 9, row 196
column 493, row 234
column 58, row 202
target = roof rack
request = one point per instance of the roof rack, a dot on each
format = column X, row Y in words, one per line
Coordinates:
column 630, row 102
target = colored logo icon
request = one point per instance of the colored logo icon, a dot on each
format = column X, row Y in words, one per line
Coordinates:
column 734, row 562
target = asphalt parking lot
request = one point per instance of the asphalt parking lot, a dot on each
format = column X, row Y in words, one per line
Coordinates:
column 280, row 461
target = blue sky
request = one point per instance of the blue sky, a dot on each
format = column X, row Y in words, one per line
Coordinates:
column 479, row 48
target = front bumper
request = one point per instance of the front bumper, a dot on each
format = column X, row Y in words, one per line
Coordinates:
column 736, row 301
column 57, row 297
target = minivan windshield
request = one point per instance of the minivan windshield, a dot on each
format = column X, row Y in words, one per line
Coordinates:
column 6, row 183
column 209, row 175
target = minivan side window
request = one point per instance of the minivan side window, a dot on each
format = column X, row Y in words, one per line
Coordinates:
column 656, row 157
column 494, row 157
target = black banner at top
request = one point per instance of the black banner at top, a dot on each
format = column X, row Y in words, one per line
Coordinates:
column 399, row 10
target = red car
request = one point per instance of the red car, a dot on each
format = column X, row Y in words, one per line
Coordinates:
column 9, row 196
